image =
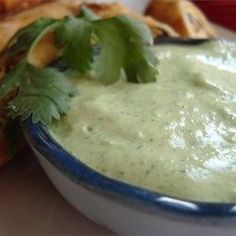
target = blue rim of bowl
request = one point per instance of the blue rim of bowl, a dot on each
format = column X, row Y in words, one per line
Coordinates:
column 39, row 137
column 41, row 140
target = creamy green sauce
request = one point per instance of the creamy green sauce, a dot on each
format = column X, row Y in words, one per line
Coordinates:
column 176, row 136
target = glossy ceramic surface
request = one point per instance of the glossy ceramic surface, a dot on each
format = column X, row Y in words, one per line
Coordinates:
column 41, row 141
column 123, row 208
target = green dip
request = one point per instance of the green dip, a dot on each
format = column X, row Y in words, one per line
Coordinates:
column 176, row 136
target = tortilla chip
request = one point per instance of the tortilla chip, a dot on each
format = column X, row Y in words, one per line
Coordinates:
column 13, row 6
column 186, row 18
column 114, row 9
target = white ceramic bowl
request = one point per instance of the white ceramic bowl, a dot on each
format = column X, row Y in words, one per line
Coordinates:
column 125, row 209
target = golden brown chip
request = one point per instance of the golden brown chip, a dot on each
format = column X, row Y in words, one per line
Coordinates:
column 10, row 25
column 13, row 6
column 45, row 50
column 186, row 18
column 110, row 10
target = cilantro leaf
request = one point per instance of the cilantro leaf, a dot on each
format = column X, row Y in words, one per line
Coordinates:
column 11, row 80
column 75, row 36
column 43, row 94
column 87, row 14
column 125, row 46
column 24, row 38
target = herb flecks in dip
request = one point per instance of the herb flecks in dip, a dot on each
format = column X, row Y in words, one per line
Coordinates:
column 176, row 136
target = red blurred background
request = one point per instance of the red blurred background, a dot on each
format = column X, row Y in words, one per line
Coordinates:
column 222, row 12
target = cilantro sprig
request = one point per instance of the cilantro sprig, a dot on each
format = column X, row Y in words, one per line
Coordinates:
column 44, row 93
column 125, row 49
column 39, row 90
column 75, row 36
